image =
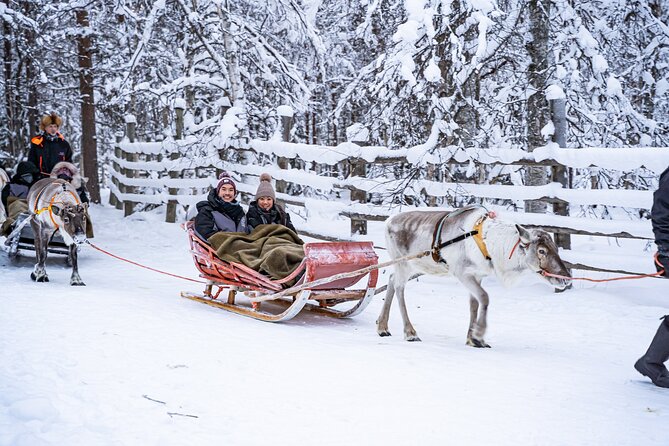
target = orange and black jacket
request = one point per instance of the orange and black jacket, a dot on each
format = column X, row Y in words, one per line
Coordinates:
column 46, row 152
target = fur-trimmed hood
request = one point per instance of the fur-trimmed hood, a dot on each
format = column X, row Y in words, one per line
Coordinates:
column 70, row 173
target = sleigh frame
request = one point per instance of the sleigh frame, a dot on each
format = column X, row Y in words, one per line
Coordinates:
column 25, row 240
column 225, row 280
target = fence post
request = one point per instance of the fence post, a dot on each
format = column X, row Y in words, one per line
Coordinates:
column 560, row 174
column 358, row 169
column 171, row 210
column 286, row 114
column 359, row 135
column 130, row 126
column 113, row 199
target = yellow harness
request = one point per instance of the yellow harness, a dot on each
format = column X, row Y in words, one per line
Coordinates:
column 52, row 202
column 478, row 237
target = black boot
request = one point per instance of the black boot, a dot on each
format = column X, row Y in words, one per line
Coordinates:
column 652, row 363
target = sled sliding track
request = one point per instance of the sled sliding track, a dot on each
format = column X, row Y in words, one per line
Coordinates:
column 321, row 260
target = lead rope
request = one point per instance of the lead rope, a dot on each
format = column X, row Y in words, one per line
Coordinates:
column 636, row 276
column 142, row 266
column 329, row 279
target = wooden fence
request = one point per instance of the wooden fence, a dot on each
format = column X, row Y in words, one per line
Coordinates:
column 365, row 183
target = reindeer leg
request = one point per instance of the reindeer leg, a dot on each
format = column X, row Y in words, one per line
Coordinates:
column 400, row 281
column 75, row 280
column 409, row 332
column 478, row 312
column 382, row 321
column 473, row 312
column 41, row 241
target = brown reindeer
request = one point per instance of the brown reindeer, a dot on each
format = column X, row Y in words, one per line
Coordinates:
column 488, row 247
column 55, row 206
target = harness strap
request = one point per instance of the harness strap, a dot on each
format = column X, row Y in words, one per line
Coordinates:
column 478, row 237
column 436, row 246
column 436, row 236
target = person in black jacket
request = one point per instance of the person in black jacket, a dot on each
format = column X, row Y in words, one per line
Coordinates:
column 70, row 173
column 220, row 212
column 14, row 195
column 651, row 364
column 26, row 175
column 660, row 220
column 264, row 210
column 49, row 147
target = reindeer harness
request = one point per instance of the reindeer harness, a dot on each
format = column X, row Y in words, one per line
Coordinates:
column 476, row 233
column 52, row 202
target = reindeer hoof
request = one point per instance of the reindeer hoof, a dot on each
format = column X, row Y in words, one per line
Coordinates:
column 413, row 338
column 41, row 278
column 384, row 333
column 77, row 283
column 476, row 343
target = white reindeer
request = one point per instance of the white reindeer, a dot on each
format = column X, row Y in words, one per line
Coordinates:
column 498, row 248
column 55, row 206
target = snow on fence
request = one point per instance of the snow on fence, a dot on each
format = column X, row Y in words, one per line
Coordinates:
column 361, row 182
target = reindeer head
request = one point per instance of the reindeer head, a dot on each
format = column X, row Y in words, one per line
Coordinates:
column 73, row 218
column 541, row 256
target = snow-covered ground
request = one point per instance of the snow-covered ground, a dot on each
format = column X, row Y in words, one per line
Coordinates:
column 126, row 361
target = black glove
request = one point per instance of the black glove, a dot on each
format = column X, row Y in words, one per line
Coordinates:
column 664, row 262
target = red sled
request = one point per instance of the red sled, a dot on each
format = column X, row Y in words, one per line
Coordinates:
column 322, row 260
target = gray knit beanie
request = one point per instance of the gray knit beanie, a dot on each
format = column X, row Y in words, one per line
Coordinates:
column 265, row 188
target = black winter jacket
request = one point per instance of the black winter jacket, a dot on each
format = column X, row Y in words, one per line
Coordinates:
column 660, row 214
column 18, row 186
column 215, row 215
column 46, row 151
column 276, row 215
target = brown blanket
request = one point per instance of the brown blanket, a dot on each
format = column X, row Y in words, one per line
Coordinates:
column 273, row 250
column 15, row 207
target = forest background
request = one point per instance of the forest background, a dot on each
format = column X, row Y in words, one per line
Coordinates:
column 467, row 73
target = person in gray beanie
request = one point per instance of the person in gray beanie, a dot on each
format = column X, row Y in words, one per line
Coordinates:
column 264, row 210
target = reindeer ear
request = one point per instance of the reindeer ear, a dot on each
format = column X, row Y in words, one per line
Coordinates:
column 524, row 235
column 56, row 210
column 84, row 180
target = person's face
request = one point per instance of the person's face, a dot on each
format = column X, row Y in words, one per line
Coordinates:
column 265, row 203
column 227, row 193
column 51, row 129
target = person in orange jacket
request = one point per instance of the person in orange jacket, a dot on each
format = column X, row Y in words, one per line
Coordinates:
column 49, row 147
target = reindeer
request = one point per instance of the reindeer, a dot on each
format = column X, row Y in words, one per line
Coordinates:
column 468, row 244
column 55, row 206
column 4, row 180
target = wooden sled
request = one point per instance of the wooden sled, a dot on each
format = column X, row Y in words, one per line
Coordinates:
column 25, row 240
column 322, row 260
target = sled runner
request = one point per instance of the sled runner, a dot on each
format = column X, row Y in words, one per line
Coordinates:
column 321, row 260
column 25, row 239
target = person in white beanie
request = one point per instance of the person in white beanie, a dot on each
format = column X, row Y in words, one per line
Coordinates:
column 264, row 210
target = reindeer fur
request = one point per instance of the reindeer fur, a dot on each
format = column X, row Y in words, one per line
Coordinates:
column 412, row 232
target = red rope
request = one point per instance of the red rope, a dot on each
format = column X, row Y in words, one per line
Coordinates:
column 143, row 266
column 514, row 248
column 638, row 276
